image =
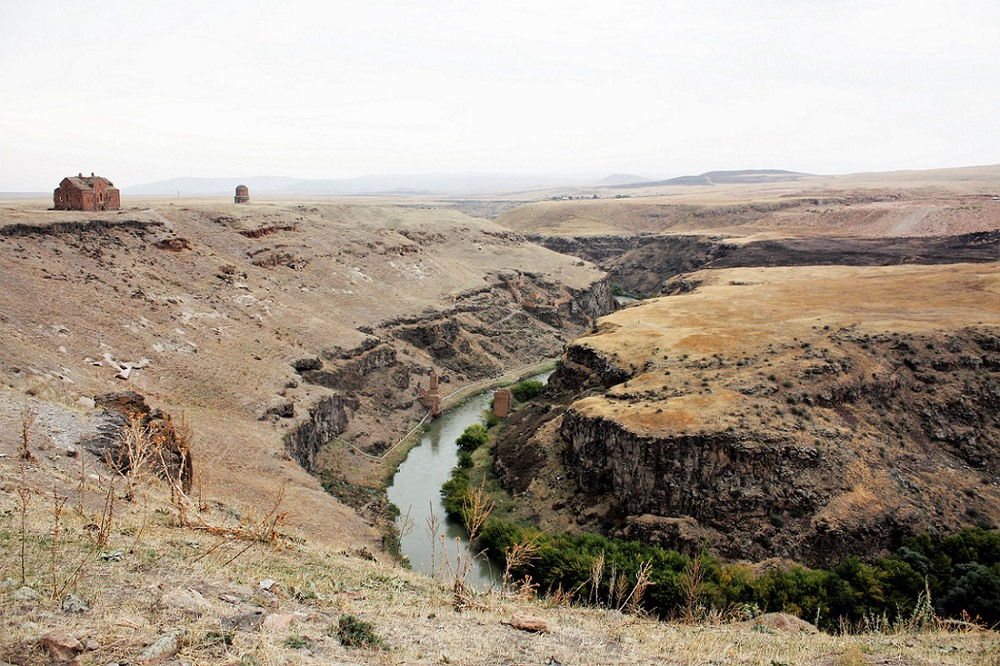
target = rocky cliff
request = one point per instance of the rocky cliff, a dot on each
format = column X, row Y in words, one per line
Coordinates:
column 765, row 430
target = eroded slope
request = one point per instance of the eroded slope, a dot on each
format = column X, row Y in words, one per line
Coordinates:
column 274, row 324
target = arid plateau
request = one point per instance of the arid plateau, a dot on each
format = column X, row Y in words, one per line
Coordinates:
column 796, row 372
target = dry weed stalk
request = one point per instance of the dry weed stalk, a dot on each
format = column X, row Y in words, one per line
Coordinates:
column 24, row 499
column 433, row 528
column 57, row 507
column 398, row 530
column 82, row 487
column 643, row 579
column 28, row 416
column 252, row 529
column 476, row 508
column 612, row 585
column 690, row 583
column 107, row 516
column 596, row 573
column 180, row 432
column 140, row 446
column 560, row 597
column 621, row 590
column 516, row 556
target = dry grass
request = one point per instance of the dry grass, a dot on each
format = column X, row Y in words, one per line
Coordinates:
column 133, row 585
column 741, row 312
column 913, row 203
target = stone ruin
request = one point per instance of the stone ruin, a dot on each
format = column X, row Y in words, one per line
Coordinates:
column 502, row 402
column 430, row 397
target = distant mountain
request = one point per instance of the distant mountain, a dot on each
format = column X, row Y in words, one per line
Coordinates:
column 726, row 178
column 428, row 184
column 190, row 186
column 623, row 179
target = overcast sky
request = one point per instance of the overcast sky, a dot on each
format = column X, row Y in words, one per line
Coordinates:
column 140, row 91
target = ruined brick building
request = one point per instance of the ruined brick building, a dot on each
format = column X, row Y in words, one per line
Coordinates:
column 242, row 194
column 86, row 193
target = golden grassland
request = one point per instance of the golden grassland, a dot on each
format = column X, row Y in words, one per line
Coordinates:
column 744, row 312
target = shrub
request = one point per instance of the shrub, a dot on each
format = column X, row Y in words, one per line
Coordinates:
column 526, row 390
column 354, row 632
column 961, row 573
column 473, row 437
column 489, row 419
column 455, row 492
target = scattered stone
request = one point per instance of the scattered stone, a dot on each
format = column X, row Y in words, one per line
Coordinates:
column 267, row 584
column 188, row 600
column 60, row 645
column 251, row 620
column 162, row 649
column 278, row 409
column 72, row 452
column 278, row 621
column 526, row 623
column 74, row 604
column 365, row 554
column 175, row 244
column 270, row 601
column 131, row 621
column 7, row 584
column 91, row 645
column 230, row 599
column 26, row 594
column 113, row 555
column 307, row 364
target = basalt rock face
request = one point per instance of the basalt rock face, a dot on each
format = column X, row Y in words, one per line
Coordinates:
column 327, row 419
column 646, row 264
column 521, row 315
column 845, row 445
column 129, row 427
column 639, row 264
column 692, row 475
column 517, row 319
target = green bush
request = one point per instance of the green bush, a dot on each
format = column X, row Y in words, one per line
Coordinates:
column 962, row 571
column 354, row 632
column 489, row 419
column 473, row 437
column 526, row 390
column 455, row 491
column 296, row 642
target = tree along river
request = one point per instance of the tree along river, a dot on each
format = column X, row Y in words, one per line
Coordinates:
column 416, row 490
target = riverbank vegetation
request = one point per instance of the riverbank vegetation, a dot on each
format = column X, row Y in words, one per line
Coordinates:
column 956, row 577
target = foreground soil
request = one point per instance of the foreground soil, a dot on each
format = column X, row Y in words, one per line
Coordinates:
column 234, row 588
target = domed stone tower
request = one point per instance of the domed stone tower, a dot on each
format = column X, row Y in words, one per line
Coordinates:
column 242, row 194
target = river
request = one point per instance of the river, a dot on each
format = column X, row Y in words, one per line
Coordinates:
column 416, row 490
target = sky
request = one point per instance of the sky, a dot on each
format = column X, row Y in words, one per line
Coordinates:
column 141, row 91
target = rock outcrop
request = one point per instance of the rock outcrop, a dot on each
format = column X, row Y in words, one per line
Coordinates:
column 815, row 443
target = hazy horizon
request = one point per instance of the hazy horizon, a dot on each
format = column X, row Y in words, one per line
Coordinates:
column 144, row 93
